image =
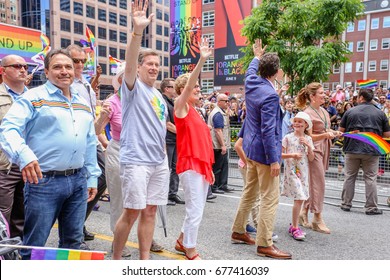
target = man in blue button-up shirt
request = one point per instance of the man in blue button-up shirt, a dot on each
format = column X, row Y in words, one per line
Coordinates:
column 262, row 145
column 49, row 133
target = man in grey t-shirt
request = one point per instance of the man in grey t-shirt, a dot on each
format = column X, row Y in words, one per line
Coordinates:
column 143, row 160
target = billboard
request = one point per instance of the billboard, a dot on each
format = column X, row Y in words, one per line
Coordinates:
column 228, row 41
column 21, row 41
column 185, row 35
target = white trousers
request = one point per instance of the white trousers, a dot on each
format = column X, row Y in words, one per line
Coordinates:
column 113, row 180
column 195, row 194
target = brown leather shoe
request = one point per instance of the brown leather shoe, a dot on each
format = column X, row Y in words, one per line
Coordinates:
column 242, row 238
column 272, row 252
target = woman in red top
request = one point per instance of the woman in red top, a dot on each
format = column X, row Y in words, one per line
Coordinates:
column 195, row 155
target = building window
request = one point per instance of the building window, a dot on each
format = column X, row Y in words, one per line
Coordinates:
column 166, row 17
column 348, row 67
column 208, row 65
column 65, row 43
column 384, row 65
column 351, row 27
column 334, row 85
column 122, row 54
column 211, row 39
column 385, row 43
column 359, row 66
column 102, row 15
column 208, row 1
column 208, row 18
column 113, row 52
column 166, row 61
column 372, row 65
column 350, row 46
column 373, row 45
column 65, row 5
column 90, row 11
column 2, row 16
column 166, row 31
column 112, row 17
column 102, row 33
column 383, row 83
column 325, row 86
column 102, row 50
column 102, row 1
column 166, row 46
column 78, row 8
column 77, row 42
column 123, row 37
column 159, row 45
column 159, row 14
column 336, row 69
column 158, row 29
column 113, row 35
column 78, row 27
column 360, row 46
column 207, row 85
column 65, row 25
column 112, row 3
column 122, row 20
column 362, row 25
column 386, row 22
column 104, row 68
column 375, row 23
column 123, row 4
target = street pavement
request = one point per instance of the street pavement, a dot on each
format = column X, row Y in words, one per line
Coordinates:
column 354, row 235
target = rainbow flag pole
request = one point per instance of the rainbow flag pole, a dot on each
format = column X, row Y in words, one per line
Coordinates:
column 49, row 253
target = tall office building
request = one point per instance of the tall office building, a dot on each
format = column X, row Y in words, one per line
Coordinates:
column 9, row 11
column 65, row 21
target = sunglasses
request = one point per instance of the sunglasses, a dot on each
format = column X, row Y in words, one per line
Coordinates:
column 17, row 66
column 76, row 60
column 224, row 101
column 169, row 86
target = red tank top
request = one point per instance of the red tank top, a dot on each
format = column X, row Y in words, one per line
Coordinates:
column 194, row 145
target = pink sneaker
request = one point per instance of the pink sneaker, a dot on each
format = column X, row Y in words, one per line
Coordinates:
column 297, row 233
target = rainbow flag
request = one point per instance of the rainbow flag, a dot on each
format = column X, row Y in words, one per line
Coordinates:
column 40, row 57
column 367, row 83
column 371, row 139
column 114, row 63
column 65, row 254
column 45, row 40
column 91, row 51
column 91, row 38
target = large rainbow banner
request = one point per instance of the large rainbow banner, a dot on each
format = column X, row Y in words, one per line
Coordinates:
column 229, row 15
column 185, row 35
column 21, row 41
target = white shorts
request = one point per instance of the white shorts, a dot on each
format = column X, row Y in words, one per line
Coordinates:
column 144, row 185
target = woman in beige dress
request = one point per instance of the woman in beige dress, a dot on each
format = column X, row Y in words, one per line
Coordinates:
column 310, row 99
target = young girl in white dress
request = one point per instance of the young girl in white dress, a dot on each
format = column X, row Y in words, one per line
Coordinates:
column 297, row 151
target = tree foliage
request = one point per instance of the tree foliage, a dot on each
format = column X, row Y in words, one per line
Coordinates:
column 306, row 34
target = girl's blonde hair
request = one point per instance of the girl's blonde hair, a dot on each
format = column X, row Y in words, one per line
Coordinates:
column 304, row 94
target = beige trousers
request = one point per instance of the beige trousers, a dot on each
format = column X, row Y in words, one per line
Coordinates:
column 259, row 182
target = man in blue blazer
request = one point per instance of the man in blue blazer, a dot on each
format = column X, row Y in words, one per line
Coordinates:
column 262, row 143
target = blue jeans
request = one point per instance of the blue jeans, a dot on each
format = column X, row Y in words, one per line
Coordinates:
column 59, row 197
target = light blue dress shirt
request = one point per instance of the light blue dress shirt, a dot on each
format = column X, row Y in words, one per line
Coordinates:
column 44, row 125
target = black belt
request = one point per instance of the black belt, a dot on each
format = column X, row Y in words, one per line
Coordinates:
column 67, row 172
